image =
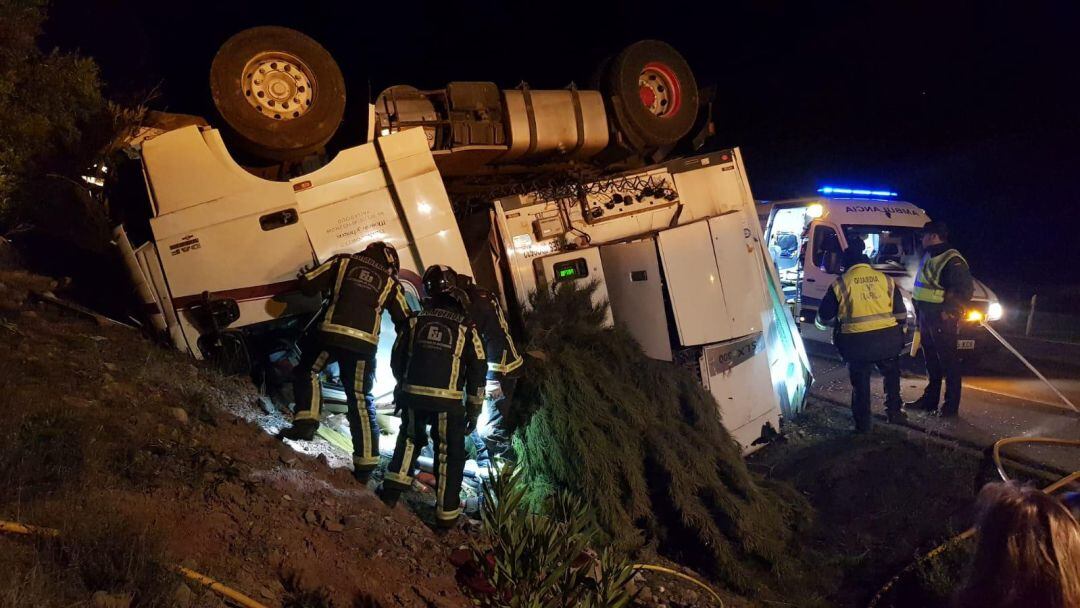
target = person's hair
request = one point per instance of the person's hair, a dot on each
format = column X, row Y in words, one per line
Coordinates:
column 854, row 254
column 1028, row 551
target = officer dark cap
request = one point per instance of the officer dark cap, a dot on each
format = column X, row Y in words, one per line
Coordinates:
column 935, row 227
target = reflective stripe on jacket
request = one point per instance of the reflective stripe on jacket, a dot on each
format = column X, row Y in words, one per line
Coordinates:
column 441, row 355
column 865, row 296
column 928, row 286
column 487, row 313
column 360, row 289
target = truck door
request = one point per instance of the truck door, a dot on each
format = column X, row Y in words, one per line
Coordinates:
column 824, row 239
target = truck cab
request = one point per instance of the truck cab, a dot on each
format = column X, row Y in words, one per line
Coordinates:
column 827, row 224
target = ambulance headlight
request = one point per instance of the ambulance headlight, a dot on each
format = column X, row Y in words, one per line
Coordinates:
column 995, row 311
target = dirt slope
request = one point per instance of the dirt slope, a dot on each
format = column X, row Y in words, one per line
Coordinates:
column 99, row 419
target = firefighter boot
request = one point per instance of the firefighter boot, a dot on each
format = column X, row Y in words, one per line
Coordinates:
column 362, row 476
column 389, row 496
column 301, row 430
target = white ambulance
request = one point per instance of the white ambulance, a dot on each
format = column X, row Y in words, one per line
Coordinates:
column 806, row 235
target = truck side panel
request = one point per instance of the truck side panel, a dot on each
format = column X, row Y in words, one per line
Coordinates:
column 150, row 264
column 423, row 202
column 740, row 273
column 244, row 238
column 694, row 285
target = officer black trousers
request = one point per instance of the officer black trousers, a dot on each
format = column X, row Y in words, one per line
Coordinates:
column 859, row 372
column 939, row 339
column 448, row 433
column 357, row 378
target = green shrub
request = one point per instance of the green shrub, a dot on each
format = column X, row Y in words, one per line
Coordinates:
column 641, row 442
column 527, row 559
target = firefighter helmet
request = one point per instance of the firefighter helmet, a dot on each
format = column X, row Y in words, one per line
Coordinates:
column 439, row 279
column 465, row 282
column 384, row 252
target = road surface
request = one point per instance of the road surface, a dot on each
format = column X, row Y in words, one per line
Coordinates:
column 1001, row 399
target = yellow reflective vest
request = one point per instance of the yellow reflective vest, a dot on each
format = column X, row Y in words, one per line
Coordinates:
column 928, row 280
column 866, row 300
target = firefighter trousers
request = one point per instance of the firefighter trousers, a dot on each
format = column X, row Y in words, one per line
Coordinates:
column 448, row 433
column 358, row 379
column 491, row 437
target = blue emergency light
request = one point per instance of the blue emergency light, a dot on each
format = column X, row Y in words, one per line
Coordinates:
column 831, row 190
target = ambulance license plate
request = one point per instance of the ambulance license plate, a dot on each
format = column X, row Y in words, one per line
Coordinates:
column 965, row 344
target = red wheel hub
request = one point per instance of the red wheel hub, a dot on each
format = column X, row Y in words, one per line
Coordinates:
column 659, row 90
column 648, row 97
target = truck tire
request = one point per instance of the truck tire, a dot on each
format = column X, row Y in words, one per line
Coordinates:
column 281, row 93
column 653, row 94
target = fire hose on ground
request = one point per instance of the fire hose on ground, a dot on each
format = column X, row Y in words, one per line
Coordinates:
column 685, row 577
column 245, row 601
column 226, row 592
column 1028, row 364
column 970, row 532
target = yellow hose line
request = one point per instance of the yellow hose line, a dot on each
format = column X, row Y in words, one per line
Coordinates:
column 682, row 576
column 970, row 532
column 14, row 528
column 219, row 589
column 1013, row 440
column 216, row 587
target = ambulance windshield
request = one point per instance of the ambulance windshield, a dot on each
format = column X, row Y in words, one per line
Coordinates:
column 888, row 247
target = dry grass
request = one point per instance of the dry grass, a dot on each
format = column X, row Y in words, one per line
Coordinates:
column 41, row 452
column 97, row 551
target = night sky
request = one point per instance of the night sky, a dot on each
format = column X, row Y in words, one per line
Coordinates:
column 968, row 109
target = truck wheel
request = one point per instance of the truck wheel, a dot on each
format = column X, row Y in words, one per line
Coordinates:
column 279, row 91
column 228, row 351
column 653, row 93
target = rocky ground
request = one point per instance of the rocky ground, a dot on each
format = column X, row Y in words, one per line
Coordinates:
column 99, row 419
column 139, row 455
column 108, row 431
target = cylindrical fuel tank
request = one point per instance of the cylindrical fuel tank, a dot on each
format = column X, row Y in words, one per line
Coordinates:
column 564, row 123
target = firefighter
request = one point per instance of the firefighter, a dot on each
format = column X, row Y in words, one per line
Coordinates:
column 439, row 363
column 361, row 287
column 865, row 306
column 943, row 289
column 503, row 361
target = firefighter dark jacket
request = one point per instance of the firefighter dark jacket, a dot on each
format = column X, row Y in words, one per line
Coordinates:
column 440, row 354
column 360, row 289
column 487, row 313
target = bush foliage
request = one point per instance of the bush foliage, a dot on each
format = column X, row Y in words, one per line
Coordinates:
column 56, row 125
column 642, row 443
column 545, row 559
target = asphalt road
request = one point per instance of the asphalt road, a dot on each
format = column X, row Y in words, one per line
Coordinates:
column 1001, row 398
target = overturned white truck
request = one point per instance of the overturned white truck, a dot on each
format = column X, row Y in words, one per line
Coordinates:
column 675, row 248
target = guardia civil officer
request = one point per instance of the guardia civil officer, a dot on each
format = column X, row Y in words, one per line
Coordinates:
column 866, row 309
column 943, row 289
